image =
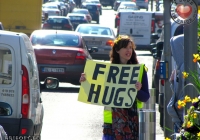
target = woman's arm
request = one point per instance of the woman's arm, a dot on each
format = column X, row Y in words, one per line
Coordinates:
column 143, row 94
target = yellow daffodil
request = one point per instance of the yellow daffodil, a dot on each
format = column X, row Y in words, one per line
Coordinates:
column 195, row 115
column 196, row 57
column 189, row 124
column 198, row 134
column 187, row 99
column 195, row 100
column 167, row 138
column 181, row 103
column 185, row 74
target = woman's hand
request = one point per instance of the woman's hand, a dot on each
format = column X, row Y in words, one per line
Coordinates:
column 82, row 78
column 138, row 85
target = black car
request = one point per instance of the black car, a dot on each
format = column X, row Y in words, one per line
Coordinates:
column 106, row 3
column 94, row 11
column 77, row 19
column 58, row 23
column 97, row 2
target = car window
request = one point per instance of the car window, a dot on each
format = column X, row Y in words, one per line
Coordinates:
column 82, row 12
column 6, row 63
column 91, row 7
column 76, row 17
column 95, row 30
column 50, row 7
column 58, row 20
column 55, row 40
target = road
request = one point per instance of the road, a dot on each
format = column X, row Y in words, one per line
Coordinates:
column 67, row 119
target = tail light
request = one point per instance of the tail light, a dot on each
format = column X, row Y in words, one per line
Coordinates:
column 117, row 16
column 25, row 93
column 118, row 22
column 162, row 82
column 99, row 5
column 152, row 26
column 134, row 0
column 110, row 43
column 146, row 0
column 46, row 25
column 68, row 26
column 80, row 55
column 157, row 64
column 57, row 12
column 23, row 131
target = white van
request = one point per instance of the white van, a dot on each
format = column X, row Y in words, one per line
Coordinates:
column 21, row 109
column 139, row 25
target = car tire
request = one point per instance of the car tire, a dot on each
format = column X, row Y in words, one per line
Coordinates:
column 97, row 21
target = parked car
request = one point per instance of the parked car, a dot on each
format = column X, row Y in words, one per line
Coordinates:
column 58, row 23
column 51, row 9
column 62, row 7
column 60, row 54
column 83, row 11
column 142, row 4
column 1, row 26
column 21, row 108
column 93, row 10
column 93, row 1
column 117, row 3
column 106, row 3
column 124, row 6
column 77, row 19
column 98, row 36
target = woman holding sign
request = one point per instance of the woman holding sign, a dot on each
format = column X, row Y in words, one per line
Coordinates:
column 125, row 123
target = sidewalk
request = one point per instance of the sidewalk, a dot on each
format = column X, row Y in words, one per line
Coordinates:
column 159, row 131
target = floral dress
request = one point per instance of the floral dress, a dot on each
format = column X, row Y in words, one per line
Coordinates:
column 125, row 123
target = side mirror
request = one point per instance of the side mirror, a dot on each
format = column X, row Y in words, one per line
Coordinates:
column 5, row 109
column 49, row 83
column 93, row 49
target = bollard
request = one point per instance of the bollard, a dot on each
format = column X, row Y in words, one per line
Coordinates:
column 151, row 103
column 147, row 125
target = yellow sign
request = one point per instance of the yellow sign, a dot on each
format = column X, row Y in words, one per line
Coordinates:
column 110, row 85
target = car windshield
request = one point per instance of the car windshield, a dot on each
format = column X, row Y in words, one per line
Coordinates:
column 95, row 30
column 92, row 2
column 76, row 17
column 50, row 7
column 82, row 12
column 58, row 20
column 55, row 40
column 91, row 7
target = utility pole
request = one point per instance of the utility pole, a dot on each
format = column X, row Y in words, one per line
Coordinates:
column 167, row 57
column 190, row 48
column 151, row 5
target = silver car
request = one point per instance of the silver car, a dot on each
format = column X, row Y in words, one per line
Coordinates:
column 142, row 4
column 99, row 36
column 51, row 9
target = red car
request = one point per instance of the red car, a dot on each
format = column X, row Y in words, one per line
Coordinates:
column 60, row 54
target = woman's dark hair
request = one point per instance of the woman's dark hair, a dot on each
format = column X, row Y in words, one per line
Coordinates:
column 122, row 42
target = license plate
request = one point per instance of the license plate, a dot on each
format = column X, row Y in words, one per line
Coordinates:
column 58, row 70
column 94, row 42
column 101, row 50
column 57, row 27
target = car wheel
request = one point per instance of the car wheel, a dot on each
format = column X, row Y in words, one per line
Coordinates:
column 97, row 21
